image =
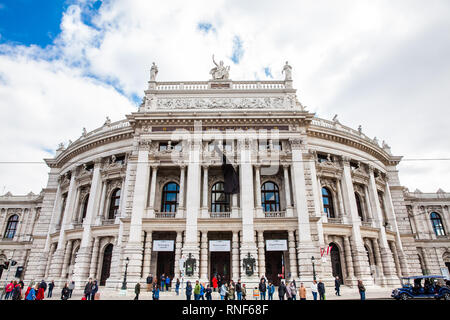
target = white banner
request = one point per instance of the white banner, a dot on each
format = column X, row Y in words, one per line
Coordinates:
column 163, row 245
column 276, row 245
column 219, row 245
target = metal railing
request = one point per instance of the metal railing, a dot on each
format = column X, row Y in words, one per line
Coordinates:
column 275, row 214
column 218, row 215
column 165, row 215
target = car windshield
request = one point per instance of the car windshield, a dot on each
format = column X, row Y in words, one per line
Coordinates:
column 405, row 282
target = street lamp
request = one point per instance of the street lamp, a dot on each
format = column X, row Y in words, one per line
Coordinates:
column 124, row 283
column 314, row 269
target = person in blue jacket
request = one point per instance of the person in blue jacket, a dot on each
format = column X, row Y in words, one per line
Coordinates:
column 32, row 294
column 271, row 290
column 188, row 290
column 156, row 293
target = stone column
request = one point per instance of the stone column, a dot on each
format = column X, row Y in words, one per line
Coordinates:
column 368, row 206
column 178, row 246
column 94, row 259
column 310, row 157
column 82, row 262
column 234, row 206
column 287, row 188
column 153, row 191
column 100, row 213
column 261, row 254
column 348, row 261
column 205, row 211
column 148, row 254
column 259, row 209
column 75, row 212
column 360, row 260
column 180, row 210
column 340, row 200
column 235, row 256
column 49, row 259
column 66, row 258
column 305, row 248
column 133, row 249
column 377, row 252
column 292, row 255
column 396, row 260
column 204, row 257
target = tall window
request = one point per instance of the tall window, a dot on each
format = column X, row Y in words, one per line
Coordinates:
column 359, row 206
column 170, row 197
column 11, row 226
column 114, row 204
column 270, row 197
column 327, row 200
column 85, row 205
column 436, row 221
column 220, row 201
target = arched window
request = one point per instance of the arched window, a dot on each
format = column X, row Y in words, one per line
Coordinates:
column 170, row 197
column 84, row 209
column 220, row 201
column 359, row 206
column 327, row 200
column 436, row 221
column 270, row 197
column 11, row 226
column 114, row 204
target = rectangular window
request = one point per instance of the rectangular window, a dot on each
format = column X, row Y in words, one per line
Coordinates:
column 163, row 146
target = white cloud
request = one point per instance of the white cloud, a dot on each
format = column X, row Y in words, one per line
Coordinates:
column 380, row 64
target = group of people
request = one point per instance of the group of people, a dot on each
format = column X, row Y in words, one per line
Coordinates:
column 165, row 284
column 14, row 290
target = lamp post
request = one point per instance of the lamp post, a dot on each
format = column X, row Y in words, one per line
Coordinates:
column 314, row 269
column 124, row 283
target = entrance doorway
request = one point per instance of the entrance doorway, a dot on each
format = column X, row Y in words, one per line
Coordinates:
column 106, row 265
column 165, row 264
column 336, row 265
column 220, row 265
column 275, row 266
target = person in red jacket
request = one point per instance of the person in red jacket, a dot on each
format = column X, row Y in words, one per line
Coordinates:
column 214, row 283
column 40, row 294
column 9, row 289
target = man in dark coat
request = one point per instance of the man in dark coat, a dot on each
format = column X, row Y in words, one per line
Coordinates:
column 43, row 285
column 262, row 289
column 321, row 290
column 337, row 286
column 149, row 281
column 281, row 290
column 137, row 290
column 88, row 289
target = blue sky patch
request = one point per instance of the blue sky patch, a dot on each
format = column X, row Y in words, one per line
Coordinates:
column 205, row 27
column 268, row 72
column 238, row 50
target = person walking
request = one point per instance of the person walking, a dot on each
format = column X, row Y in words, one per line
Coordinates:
column 188, row 290
column 231, row 291
column 293, row 287
column 214, row 283
column 321, row 289
column 362, row 290
column 40, row 294
column 163, row 282
column 149, row 282
column 197, row 289
column 314, row 289
column 222, row 291
column 28, row 289
column 88, row 289
column 17, row 291
column 9, row 288
column 51, row 285
column 137, row 290
column 271, row 290
column 65, row 292
column 43, row 285
column 281, row 290
column 94, row 290
column 239, row 290
column 262, row 289
column 32, row 294
column 244, row 292
column 177, row 287
column 167, row 283
column 337, row 286
column 302, row 292
column 202, row 292
column 208, row 292
column 71, row 287
column 155, row 293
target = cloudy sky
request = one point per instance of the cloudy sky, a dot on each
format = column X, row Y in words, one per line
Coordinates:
column 65, row 65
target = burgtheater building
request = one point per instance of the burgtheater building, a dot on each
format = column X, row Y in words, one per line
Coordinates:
column 146, row 194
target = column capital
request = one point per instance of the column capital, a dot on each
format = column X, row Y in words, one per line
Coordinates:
column 345, row 160
column 205, row 166
column 296, row 143
column 145, row 144
column 286, row 165
column 154, row 166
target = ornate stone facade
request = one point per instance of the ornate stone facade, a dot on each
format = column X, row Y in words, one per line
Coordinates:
column 307, row 185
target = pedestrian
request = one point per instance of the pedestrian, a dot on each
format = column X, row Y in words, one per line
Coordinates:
column 155, row 293
column 88, row 289
column 256, row 293
column 262, row 288
column 65, row 292
column 9, row 289
column 28, row 290
column 222, row 291
column 337, row 286
column 314, row 289
column 94, row 290
column 40, row 294
column 362, row 290
column 244, row 292
column 239, row 290
column 281, row 290
column 302, row 292
column 202, row 291
column 321, row 289
column 208, row 292
column 167, row 283
column 71, row 287
column 22, row 285
column 177, row 287
column 271, row 290
column 197, row 289
column 214, row 283
column 137, row 290
column 188, row 290
column 43, row 285
column 231, row 291
column 17, row 291
column 149, row 282
column 163, row 282
column 51, row 285
column 293, row 287
column 32, row 294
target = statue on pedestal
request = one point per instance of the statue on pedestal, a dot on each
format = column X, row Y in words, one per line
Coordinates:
column 153, row 72
column 287, row 70
column 219, row 72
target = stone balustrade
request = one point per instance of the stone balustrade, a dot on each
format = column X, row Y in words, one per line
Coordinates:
column 275, row 214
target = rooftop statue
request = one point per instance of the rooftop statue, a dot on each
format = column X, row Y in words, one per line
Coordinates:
column 287, row 70
column 153, row 72
column 219, row 72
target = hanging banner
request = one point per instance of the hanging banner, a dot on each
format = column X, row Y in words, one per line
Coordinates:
column 276, row 245
column 163, row 245
column 219, row 245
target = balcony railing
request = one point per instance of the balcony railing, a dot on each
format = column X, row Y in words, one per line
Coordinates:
column 107, row 221
column 366, row 224
column 219, row 215
column 169, row 215
column 275, row 214
column 335, row 220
